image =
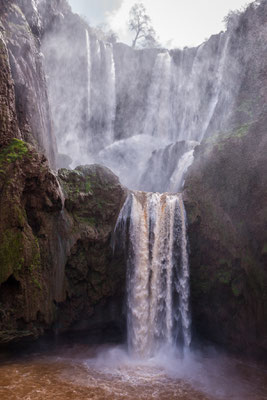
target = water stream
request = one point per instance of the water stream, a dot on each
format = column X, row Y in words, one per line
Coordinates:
column 152, row 227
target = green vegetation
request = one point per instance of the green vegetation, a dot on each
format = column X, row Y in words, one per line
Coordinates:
column 223, row 261
column 236, row 289
column 74, row 183
column 20, row 214
column 224, row 276
column 89, row 221
column 246, row 108
column 219, row 138
column 16, row 150
column 11, row 259
column 88, row 186
column 264, row 249
column 36, row 259
column 37, row 283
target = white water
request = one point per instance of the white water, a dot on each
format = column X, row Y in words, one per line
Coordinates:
column 157, row 272
column 174, row 96
column 109, row 95
column 177, row 178
column 129, row 157
column 181, row 102
column 158, row 115
column 88, row 50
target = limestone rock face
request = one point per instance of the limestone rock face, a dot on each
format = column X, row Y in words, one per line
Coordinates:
column 56, row 264
column 8, row 118
column 22, row 70
column 95, row 277
column 226, row 201
column 30, row 203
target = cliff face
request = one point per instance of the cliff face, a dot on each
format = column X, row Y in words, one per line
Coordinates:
column 8, row 118
column 95, row 277
column 57, row 268
column 30, row 200
column 22, row 61
column 226, row 200
column 225, row 197
column 52, row 258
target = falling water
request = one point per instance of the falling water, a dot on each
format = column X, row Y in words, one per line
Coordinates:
column 110, row 94
column 224, row 43
column 177, row 178
column 158, row 271
column 174, row 96
column 157, row 122
column 88, row 50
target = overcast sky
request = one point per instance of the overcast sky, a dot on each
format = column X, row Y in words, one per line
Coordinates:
column 178, row 23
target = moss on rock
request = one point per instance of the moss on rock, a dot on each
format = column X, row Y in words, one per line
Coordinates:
column 11, row 250
column 14, row 151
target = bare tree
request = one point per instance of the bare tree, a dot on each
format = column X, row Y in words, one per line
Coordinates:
column 140, row 24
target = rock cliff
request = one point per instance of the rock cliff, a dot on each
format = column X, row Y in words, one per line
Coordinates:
column 226, row 201
column 53, row 257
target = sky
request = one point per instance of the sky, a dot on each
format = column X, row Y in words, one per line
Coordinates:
column 178, row 23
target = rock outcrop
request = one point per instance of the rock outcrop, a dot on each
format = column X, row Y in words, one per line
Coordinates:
column 55, row 258
column 95, row 277
column 8, row 118
column 226, row 201
column 30, row 203
column 28, row 114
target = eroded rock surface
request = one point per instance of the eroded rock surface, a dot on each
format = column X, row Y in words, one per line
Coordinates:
column 57, row 266
column 226, row 201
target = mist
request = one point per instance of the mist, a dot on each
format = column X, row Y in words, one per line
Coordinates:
column 115, row 99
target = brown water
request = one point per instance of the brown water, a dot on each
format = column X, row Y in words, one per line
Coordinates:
column 99, row 373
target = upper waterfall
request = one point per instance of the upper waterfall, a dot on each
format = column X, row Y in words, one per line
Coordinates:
column 88, row 50
column 152, row 227
column 125, row 108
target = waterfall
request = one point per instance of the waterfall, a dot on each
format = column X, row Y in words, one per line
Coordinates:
column 110, row 94
column 153, row 229
column 155, row 98
column 157, row 122
column 103, row 95
column 177, row 178
column 165, row 170
column 88, row 50
column 218, row 84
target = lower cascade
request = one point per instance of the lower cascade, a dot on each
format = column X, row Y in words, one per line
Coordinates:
column 152, row 227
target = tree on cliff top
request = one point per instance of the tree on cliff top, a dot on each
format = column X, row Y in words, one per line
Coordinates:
column 140, row 24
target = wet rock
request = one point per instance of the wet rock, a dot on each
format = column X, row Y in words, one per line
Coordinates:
column 95, row 277
column 8, row 118
column 30, row 203
column 225, row 198
column 24, row 74
column 57, row 269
